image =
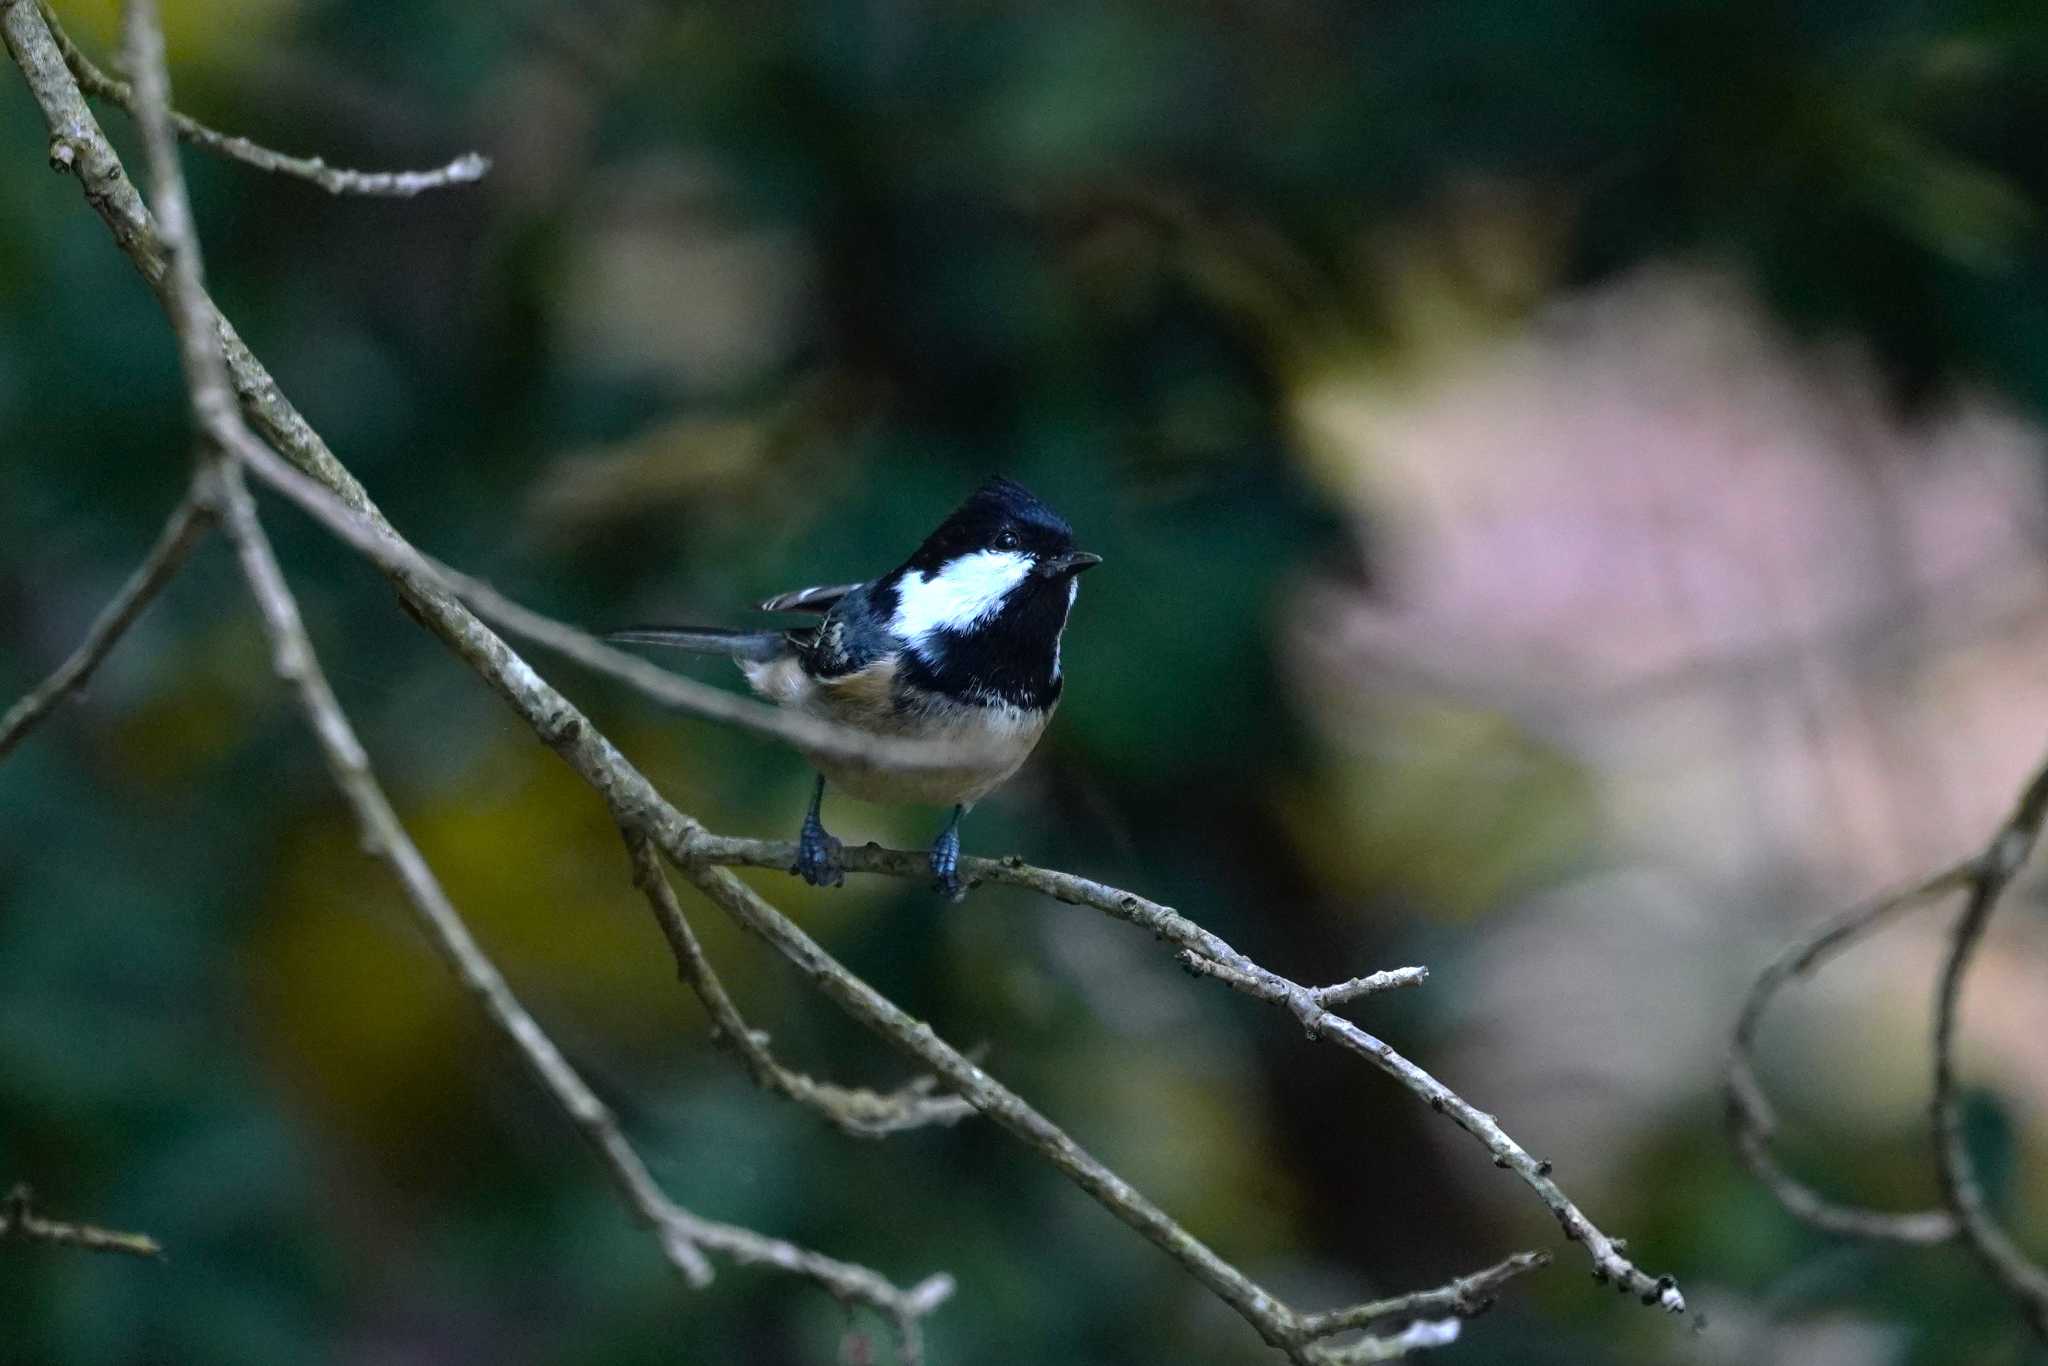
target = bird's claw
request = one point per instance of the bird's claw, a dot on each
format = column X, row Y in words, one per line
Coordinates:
column 946, row 867
column 817, row 858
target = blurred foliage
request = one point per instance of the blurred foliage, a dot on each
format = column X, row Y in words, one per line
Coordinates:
column 754, row 294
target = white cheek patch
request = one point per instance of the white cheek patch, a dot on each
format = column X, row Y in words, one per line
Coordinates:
column 964, row 593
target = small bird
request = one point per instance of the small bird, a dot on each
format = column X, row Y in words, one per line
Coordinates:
column 960, row 643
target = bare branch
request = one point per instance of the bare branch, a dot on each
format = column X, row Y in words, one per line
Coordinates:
column 19, row 1220
column 860, row 1112
column 1175, row 929
column 464, row 170
column 213, row 403
column 1751, row 1122
column 683, row 1236
column 182, row 530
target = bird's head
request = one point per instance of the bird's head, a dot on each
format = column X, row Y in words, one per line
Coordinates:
column 1003, row 565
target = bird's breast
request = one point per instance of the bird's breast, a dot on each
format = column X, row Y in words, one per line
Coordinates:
column 993, row 742
column 994, row 738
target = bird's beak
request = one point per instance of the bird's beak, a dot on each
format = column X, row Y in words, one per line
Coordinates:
column 1073, row 562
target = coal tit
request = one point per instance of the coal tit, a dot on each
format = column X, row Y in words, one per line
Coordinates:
column 961, row 642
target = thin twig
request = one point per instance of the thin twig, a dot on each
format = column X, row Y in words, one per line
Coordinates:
column 182, row 530
column 1464, row 1297
column 857, row 1111
column 1609, row 1265
column 1434, row 1317
column 464, row 170
column 19, row 1220
column 684, row 1237
column 1311, row 1002
column 1373, row 983
column 213, row 403
column 1751, row 1121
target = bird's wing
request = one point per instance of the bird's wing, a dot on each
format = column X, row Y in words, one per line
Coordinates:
column 819, row 599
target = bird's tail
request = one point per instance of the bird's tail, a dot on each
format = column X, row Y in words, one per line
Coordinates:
column 756, row 646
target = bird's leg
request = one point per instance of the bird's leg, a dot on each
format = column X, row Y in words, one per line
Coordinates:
column 817, row 853
column 946, row 858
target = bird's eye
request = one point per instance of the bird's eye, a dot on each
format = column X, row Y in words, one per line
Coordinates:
column 1006, row 539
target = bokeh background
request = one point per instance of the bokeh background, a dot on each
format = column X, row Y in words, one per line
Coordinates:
column 1571, row 478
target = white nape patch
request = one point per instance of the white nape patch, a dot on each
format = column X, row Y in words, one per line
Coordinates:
column 967, row 591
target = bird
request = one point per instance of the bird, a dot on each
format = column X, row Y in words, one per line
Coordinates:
column 958, row 644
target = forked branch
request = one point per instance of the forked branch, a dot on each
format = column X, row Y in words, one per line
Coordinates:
column 860, row 1112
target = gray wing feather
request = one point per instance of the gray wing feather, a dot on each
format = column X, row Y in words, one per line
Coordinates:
column 819, row 599
column 853, row 635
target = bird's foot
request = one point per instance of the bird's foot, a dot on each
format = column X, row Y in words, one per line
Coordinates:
column 817, row 857
column 946, row 864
